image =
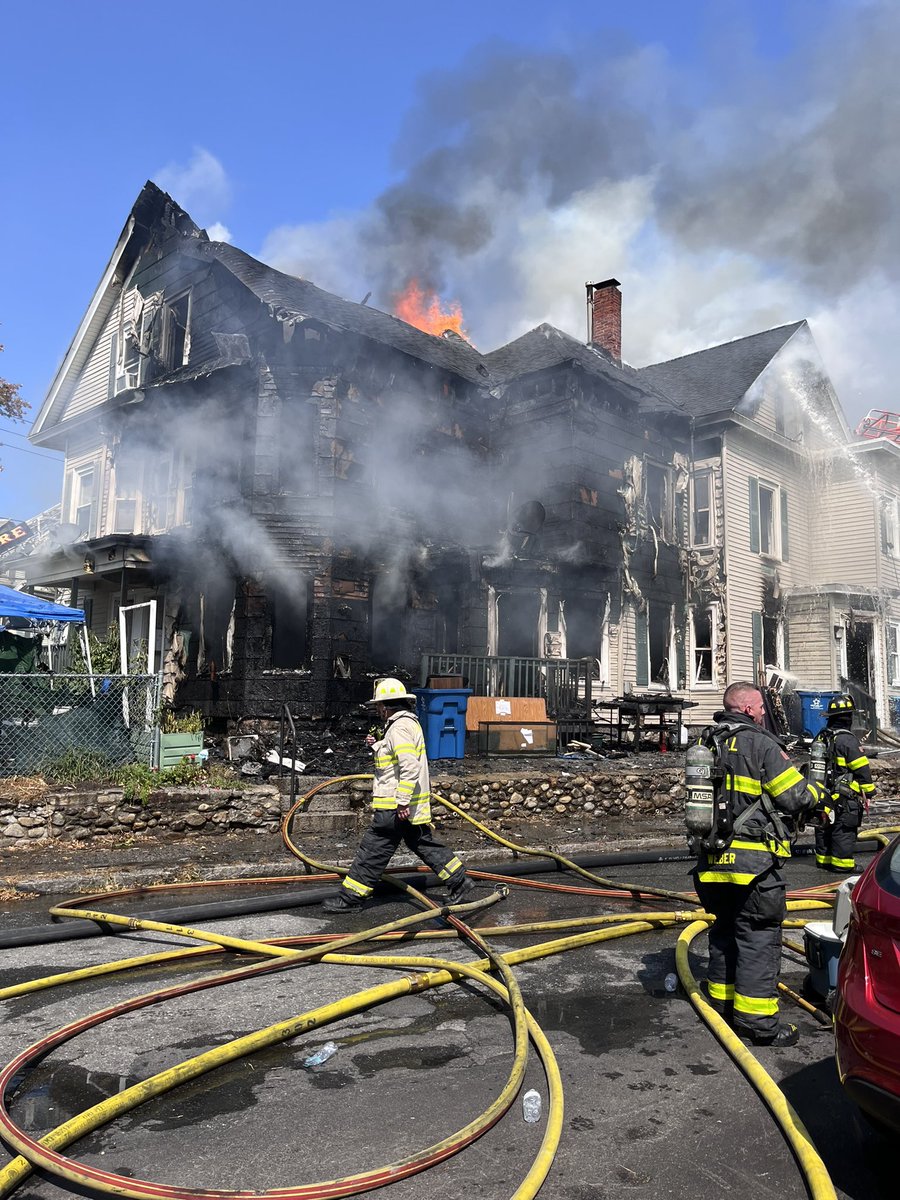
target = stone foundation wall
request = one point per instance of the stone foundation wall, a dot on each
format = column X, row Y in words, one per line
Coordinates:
column 548, row 794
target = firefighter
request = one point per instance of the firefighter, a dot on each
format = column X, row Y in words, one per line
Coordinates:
column 849, row 779
column 743, row 885
column 401, row 803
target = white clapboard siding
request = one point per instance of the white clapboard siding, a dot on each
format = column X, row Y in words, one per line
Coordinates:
column 846, row 534
column 813, row 649
column 746, row 457
column 92, row 386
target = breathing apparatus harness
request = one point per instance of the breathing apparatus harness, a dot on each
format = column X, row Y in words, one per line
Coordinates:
column 709, row 809
column 823, row 769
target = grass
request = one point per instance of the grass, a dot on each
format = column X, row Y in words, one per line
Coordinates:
column 137, row 780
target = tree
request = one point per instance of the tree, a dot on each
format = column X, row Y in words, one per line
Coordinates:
column 11, row 403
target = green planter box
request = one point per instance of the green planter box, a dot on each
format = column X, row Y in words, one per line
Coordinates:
column 173, row 747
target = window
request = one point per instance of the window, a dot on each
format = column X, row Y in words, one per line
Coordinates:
column 656, row 661
column 127, row 476
column 174, row 342
column 788, row 417
column 893, row 653
column 658, row 499
column 890, row 528
column 768, row 520
column 85, row 485
column 702, row 508
column 157, row 479
column 703, row 638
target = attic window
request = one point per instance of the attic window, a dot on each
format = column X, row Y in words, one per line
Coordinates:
column 175, row 337
column 658, row 499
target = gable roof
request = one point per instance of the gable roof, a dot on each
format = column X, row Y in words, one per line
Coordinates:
column 718, row 379
column 290, row 298
column 546, row 346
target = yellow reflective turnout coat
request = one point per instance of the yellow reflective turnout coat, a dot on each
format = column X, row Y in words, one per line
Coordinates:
column 760, row 768
column 401, row 769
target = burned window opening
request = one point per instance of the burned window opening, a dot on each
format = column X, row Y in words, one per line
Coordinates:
column 702, row 508
column 289, row 610
column 519, row 618
column 658, row 500
column 388, row 616
column 659, row 637
column 704, row 643
column 174, row 341
column 583, row 622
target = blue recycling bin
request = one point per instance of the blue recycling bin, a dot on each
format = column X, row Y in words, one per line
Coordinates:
column 442, row 715
column 813, row 707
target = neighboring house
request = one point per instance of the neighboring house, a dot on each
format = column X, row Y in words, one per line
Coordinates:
column 315, row 492
column 789, row 562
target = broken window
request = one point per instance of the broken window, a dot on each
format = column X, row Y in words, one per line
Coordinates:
column 583, row 618
column 388, row 614
column 519, row 617
column 655, row 661
column 658, row 499
column 174, row 335
column 85, row 486
column 702, row 508
column 768, row 519
column 771, row 657
column 703, row 644
column 289, row 607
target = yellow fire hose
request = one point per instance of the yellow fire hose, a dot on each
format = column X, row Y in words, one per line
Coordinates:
column 278, row 954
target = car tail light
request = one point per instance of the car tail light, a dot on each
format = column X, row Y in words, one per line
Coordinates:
column 879, row 929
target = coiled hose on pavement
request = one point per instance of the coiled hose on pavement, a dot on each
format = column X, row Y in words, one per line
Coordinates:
column 427, row 972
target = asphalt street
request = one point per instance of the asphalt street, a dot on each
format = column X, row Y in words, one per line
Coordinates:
column 653, row 1105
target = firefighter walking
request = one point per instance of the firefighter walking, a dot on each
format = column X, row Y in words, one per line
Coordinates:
column 401, row 804
column 742, row 883
column 848, row 779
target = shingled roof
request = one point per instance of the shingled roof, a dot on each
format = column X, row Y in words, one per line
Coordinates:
column 289, row 297
column 546, row 346
column 718, row 379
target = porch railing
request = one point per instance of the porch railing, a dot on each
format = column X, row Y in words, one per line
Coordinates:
column 566, row 684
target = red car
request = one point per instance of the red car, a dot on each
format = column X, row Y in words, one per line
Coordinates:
column 867, row 1006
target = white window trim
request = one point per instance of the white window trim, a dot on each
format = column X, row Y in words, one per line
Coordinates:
column 712, row 683
column 774, row 550
column 709, row 472
column 77, row 473
column 892, row 527
column 893, row 676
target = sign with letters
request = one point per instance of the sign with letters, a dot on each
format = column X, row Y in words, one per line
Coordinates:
column 12, row 533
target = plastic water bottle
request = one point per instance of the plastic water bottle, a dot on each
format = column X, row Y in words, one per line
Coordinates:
column 531, row 1106
column 670, row 983
column 320, row 1056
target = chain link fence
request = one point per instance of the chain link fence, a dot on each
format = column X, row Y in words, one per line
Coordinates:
column 47, row 717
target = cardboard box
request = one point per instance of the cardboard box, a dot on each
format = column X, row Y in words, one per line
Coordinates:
column 517, row 710
column 506, row 737
column 444, row 681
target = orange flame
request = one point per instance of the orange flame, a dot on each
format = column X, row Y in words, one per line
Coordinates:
column 423, row 309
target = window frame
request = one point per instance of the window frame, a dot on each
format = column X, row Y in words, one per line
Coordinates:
column 166, row 341
column 707, row 473
column 890, row 515
column 665, row 527
column 892, row 629
column 712, row 612
column 777, row 526
column 79, row 473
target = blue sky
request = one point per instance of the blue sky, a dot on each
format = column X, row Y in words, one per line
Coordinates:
column 729, row 162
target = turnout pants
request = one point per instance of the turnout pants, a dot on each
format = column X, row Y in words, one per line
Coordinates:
column 836, row 844
column 381, row 840
column 745, row 949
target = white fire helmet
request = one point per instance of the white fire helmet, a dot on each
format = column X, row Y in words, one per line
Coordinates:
column 390, row 689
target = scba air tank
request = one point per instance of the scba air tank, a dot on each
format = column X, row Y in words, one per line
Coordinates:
column 818, row 762
column 700, row 796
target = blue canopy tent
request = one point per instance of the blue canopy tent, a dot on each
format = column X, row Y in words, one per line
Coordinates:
column 19, row 604
column 40, row 612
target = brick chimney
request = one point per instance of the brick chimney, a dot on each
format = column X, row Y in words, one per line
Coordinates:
column 604, row 310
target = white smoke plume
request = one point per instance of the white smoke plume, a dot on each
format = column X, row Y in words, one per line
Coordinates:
column 756, row 195
column 201, row 186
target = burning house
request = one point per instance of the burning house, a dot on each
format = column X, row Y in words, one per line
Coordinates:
column 316, row 492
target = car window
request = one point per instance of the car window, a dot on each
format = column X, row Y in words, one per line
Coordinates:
column 887, row 869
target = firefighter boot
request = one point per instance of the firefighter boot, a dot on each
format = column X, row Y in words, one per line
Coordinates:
column 342, row 902
column 786, row 1035
column 457, row 892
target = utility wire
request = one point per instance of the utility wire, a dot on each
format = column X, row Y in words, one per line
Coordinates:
column 22, row 450
column 15, row 433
